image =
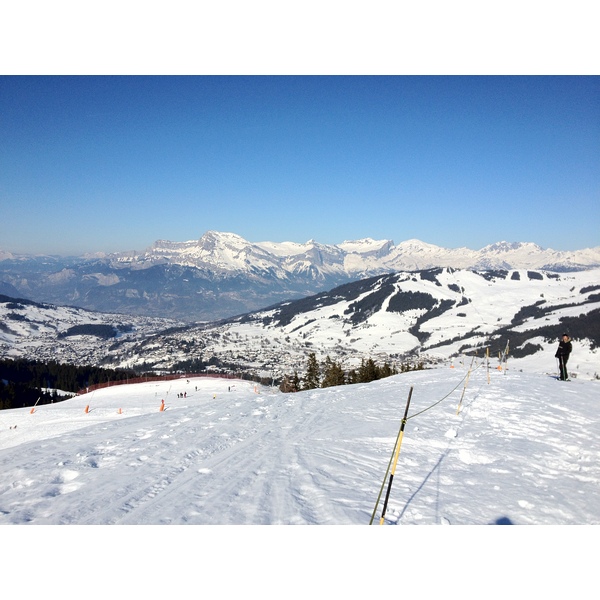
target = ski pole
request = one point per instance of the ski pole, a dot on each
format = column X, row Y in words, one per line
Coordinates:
column 397, row 453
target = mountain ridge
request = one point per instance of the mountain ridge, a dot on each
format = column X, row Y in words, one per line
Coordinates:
column 222, row 274
column 215, row 244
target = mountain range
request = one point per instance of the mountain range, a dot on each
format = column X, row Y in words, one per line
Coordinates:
column 431, row 316
column 223, row 275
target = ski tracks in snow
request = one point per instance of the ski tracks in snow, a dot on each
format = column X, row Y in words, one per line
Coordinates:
column 316, row 457
column 258, row 459
column 440, row 468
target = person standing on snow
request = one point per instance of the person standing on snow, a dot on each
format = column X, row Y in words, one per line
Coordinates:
column 562, row 353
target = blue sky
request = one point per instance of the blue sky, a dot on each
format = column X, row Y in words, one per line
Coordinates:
column 109, row 163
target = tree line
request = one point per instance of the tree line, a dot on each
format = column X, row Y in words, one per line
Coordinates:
column 25, row 382
column 330, row 373
column 28, row 382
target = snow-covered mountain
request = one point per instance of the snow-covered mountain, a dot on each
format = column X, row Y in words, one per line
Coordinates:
column 231, row 252
column 431, row 316
column 222, row 274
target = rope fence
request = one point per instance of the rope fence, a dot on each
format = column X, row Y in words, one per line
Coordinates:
column 396, row 449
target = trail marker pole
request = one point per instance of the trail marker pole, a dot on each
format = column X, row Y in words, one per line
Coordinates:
column 465, row 387
column 87, row 408
column 396, row 454
column 385, row 476
column 33, row 407
column 384, row 479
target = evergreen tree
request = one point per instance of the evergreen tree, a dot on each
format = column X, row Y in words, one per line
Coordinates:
column 386, row 371
column 333, row 374
column 368, row 371
column 295, row 381
column 352, row 377
column 312, row 377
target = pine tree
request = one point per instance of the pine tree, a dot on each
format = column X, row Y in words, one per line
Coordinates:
column 333, row 374
column 386, row 371
column 352, row 377
column 368, row 371
column 296, row 381
column 312, row 377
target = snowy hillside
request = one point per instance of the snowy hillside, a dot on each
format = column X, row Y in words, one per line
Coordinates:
column 519, row 448
column 433, row 316
column 67, row 334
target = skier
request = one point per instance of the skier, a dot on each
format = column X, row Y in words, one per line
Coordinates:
column 562, row 353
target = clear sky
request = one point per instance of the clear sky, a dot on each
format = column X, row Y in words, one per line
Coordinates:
column 109, row 163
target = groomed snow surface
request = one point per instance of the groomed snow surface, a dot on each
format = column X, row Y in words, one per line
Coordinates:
column 522, row 449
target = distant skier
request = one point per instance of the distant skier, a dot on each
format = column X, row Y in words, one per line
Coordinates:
column 562, row 353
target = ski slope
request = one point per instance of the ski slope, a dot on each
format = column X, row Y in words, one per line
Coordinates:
column 523, row 449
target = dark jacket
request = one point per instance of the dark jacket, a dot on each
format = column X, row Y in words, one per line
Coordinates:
column 564, row 349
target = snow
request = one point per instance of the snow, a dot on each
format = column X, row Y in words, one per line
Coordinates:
column 275, row 349
column 365, row 246
column 523, row 449
column 285, row 249
column 229, row 251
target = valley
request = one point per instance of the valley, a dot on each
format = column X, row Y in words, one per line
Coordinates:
column 434, row 316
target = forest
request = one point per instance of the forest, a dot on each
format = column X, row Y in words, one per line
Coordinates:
column 26, row 382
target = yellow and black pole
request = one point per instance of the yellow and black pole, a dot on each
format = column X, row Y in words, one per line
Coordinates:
column 385, row 477
column 396, row 454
